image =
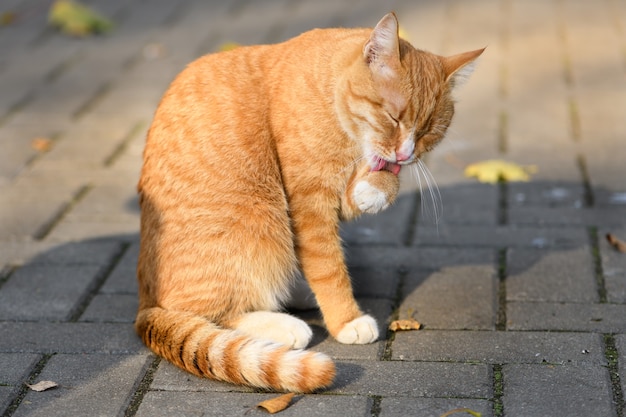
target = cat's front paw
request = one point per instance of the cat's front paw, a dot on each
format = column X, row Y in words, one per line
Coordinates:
column 359, row 331
column 368, row 198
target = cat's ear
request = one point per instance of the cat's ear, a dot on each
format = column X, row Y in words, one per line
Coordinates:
column 460, row 66
column 382, row 51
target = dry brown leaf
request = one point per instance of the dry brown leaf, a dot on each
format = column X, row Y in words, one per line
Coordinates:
column 276, row 404
column 408, row 324
column 41, row 144
column 616, row 243
column 42, row 385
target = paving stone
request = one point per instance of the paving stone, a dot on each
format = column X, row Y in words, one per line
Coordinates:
column 465, row 204
column 501, row 236
column 46, row 292
column 431, row 407
column 111, row 308
column 605, row 318
column 88, row 385
column 556, row 390
column 15, row 367
column 421, row 258
column 158, row 403
column 78, row 338
column 460, row 297
column 375, row 282
column 413, row 379
column 388, row 227
column 498, row 347
column 123, row 279
column 542, row 275
column 570, row 216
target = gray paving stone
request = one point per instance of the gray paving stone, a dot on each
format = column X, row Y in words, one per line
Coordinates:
column 15, row 367
column 431, row 407
column 464, row 204
column 88, row 385
column 388, row 227
column 569, row 216
column 498, row 347
column 46, row 292
column 605, row 318
column 111, row 308
column 459, row 297
column 541, row 275
column 501, row 236
column 157, row 403
column 375, row 282
column 123, row 279
column 422, row 258
column 555, row 390
column 78, row 338
column 413, row 379
column 6, row 396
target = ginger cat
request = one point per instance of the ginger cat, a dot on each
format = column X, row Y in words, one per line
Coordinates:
column 253, row 158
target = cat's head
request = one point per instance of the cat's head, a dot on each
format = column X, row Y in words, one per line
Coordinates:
column 400, row 105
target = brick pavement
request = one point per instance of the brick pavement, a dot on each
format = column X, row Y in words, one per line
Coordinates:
column 523, row 301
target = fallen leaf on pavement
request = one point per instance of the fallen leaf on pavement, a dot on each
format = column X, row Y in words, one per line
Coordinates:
column 41, row 144
column 493, row 170
column 42, row 385
column 7, row 18
column 75, row 19
column 409, row 324
column 228, row 46
column 276, row 404
column 462, row 410
column 616, row 243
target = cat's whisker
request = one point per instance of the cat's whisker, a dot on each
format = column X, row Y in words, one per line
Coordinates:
column 433, row 189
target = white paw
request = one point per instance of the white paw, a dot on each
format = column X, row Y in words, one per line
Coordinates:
column 368, row 198
column 359, row 331
column 278, row 327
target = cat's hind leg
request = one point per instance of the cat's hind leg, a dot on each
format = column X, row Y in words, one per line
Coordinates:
column 278, row 327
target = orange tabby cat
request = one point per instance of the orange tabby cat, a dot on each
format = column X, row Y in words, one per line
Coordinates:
column 253, row 158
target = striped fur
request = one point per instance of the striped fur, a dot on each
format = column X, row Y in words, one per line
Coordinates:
column 252, row 159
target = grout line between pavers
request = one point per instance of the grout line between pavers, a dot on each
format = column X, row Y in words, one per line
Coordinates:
column 45, row 230
column 375, row 408
column 84, row 301
column 598, row 271
column 19, row 397
column 498, row 390
column 135, row 130
column 142, row 386
column 612, row 358
column 501, row 293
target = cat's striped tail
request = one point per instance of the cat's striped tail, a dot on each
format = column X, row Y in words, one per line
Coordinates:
column 196, row 345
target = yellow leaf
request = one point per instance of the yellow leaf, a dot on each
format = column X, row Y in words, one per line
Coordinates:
column 228, row 46
column 493, row 170
column 7, row 18
column 75, row 19
column 276, row 404
column 402, row 33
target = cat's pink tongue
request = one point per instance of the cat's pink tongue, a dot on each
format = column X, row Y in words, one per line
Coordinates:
column 389, row 166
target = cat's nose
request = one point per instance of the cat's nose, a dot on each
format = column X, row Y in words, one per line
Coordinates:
column 400, row 157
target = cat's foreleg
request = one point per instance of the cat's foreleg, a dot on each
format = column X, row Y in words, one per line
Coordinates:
column 319, row 250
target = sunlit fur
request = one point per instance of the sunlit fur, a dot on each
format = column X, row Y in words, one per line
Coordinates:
column 250, row 163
